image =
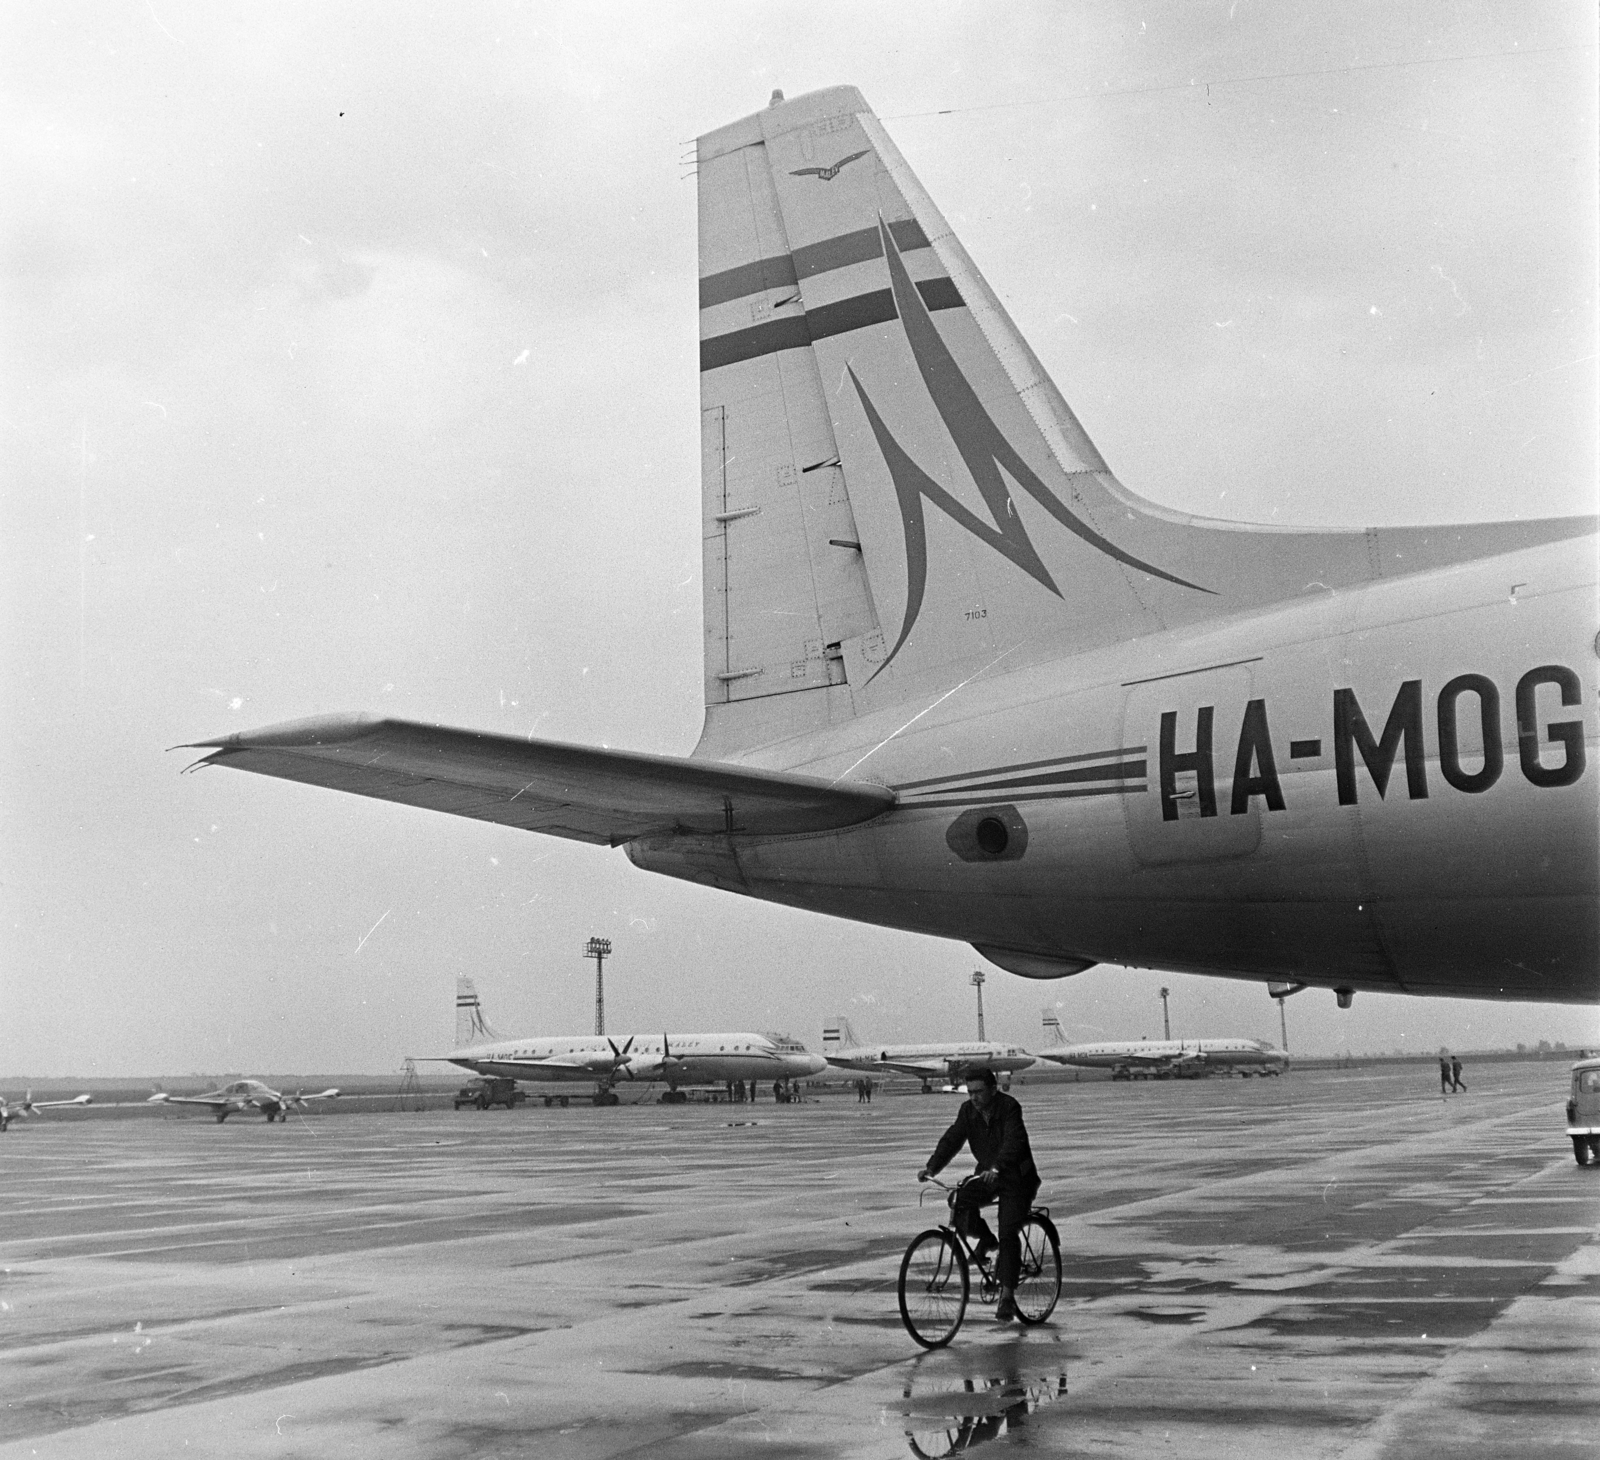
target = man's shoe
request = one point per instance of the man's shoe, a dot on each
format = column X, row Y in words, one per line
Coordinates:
column 1006, row 1312
column 986, row 1246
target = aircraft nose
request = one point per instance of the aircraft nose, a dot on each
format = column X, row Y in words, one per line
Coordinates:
column 815, row 1064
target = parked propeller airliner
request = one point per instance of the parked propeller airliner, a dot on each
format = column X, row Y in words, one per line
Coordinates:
column 242, row 1095
column 1163, row 1058
column 677, row 1059
column 950, row 1062
column 960, row 680
column 30, row 1106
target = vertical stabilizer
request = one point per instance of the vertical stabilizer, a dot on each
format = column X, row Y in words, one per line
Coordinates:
column 470, row 1025
column 836, row 1035
column 896, row 497
column 1052, row 1029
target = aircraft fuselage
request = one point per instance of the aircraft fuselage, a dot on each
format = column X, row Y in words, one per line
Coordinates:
column 686, row 1059
column 931, row 1060
column 1385, row 788
column 1172, row 1056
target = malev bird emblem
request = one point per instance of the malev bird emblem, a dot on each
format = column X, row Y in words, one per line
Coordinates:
column 827, row 174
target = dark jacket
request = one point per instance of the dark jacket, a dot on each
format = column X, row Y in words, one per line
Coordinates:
column 1000, row 1142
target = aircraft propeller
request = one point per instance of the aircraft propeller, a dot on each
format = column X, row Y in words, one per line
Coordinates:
column 621, row 1060
column 652, row 1065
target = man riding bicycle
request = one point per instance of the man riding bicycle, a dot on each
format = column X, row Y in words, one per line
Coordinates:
column 990, row 1123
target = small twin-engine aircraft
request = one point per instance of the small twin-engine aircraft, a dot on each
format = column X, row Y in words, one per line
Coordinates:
column 30, row 1106
column 677, row 1059
column 950, row 1062
column 1163, row 1059
column 242, row 1095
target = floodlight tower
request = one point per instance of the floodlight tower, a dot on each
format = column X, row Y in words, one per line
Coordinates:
column 1280, row 992
column 1166, row 1024
column 599, row 949
column 977, row 983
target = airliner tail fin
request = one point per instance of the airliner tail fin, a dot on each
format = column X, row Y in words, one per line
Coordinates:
column 471, row 1027
column 837, row 1034
column 896, row 497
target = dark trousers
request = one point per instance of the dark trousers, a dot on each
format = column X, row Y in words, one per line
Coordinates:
column 1014, row 1204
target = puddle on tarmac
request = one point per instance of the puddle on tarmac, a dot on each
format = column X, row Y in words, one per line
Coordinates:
column 1168, row 1313
column 955, row 1402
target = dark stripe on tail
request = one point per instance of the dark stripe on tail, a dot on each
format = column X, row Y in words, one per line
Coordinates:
column 806, row 262
column 800, row 330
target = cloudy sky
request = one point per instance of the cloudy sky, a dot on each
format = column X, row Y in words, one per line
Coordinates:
column 352, row 365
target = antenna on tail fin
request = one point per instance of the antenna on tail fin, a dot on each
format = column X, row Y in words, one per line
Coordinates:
column 471, row 1027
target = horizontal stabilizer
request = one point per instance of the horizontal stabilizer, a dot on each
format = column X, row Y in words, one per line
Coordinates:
column 602, row 796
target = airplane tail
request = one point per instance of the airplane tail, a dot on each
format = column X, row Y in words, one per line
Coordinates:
column 1052, row 1029
column 471, row 1027
column 837, row 1034
column 895, row 494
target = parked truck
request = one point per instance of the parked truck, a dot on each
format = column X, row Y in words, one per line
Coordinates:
column 490, row 1090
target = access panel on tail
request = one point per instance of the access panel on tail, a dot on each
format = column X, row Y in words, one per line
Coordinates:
column 895, row 493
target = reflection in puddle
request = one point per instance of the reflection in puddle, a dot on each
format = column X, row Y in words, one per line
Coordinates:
column 954, row 1403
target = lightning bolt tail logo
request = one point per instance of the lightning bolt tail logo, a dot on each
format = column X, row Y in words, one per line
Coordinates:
column 985, row 451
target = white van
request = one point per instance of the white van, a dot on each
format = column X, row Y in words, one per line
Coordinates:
column 1583, row 1112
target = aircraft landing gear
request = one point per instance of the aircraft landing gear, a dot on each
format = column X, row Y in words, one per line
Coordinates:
column 607, row 1097
column 674, row 1097
column 927, row 1089
column 222, row 1115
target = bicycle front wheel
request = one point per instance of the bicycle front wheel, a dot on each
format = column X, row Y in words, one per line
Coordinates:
column 1039, row 1281
column 933, row 1288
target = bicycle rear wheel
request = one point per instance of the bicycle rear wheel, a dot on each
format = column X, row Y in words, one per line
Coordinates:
column 1039, row 1281
column 933, row 1287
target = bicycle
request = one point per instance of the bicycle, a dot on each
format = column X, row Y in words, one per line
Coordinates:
column 935, row 1274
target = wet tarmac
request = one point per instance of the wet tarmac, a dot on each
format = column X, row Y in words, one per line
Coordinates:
column 1337, row 1263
